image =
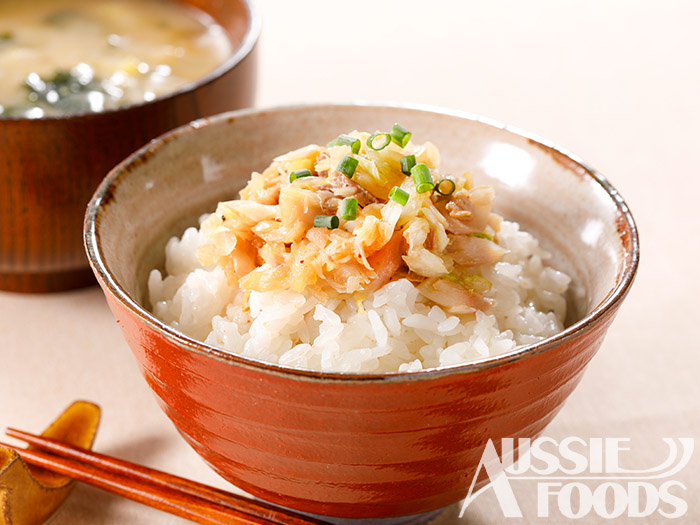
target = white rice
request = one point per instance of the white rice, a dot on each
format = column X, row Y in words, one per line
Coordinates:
column 394, row 329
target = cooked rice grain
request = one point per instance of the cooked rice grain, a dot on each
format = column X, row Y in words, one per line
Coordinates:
column 395, row 328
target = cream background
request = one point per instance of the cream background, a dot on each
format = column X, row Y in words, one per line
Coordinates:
column 617, row 83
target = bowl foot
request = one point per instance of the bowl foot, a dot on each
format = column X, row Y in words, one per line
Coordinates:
column 46, row 282
column 415, row 519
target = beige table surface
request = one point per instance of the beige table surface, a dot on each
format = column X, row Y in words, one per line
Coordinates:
column 617, row 83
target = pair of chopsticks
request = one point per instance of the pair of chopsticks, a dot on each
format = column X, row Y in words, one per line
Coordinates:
column 179, row 496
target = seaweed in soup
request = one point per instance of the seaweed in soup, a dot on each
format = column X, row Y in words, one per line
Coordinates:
column 72, row 91
column 64, row 17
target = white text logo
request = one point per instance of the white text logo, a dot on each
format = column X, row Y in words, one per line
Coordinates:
column 579, row 477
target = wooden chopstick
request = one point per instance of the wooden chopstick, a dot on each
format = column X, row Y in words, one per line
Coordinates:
column 163, row 479
column 179, row 496
column 180, row 504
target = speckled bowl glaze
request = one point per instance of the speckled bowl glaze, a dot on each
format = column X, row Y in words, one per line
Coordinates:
column 354, row 445
column 50, row 167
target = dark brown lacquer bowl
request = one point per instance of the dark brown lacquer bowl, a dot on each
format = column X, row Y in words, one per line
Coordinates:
column 50, row 167
column 354, row 445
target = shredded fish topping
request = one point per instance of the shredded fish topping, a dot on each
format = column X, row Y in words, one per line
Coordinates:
column 287, row 230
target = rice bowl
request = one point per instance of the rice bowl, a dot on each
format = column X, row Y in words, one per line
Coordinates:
column 357, row 444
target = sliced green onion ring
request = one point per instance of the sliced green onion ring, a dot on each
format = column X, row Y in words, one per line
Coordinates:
column 451, row 187
column 326, row 221
column 398, row 195
column 482, row 235
column 348, row 209
column 476, row 283
column 299, row 174
column 400, row 135
column 347, row 166
column 385, row 141
column 346, row 140
column 422, row 178
column 471, row 283
column 407, row 164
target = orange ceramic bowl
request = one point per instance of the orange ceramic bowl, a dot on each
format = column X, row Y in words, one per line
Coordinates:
column 50, row 167
column 354, row 445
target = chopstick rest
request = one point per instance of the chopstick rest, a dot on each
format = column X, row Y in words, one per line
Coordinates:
column 31, row 495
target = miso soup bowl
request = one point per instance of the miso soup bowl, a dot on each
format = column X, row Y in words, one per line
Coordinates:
column 347, row 444
column 50, row 167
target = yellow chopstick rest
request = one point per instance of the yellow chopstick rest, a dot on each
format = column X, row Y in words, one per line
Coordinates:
column 30, row 495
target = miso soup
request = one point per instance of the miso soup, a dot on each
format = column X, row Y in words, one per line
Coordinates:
column 61, row 57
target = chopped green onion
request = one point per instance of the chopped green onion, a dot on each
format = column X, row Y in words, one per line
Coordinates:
column 385, row 141
column 398, row 195
column 348, row 209
column 400, row 135
column 471, row 283
column 422, row 178
column 482, row 235
column 347, row 166
column 476, row 283
column 346, row 140
column 451, row 277
column 326, row 221
column 450, row 186
column 407, row 164
column 299, row 174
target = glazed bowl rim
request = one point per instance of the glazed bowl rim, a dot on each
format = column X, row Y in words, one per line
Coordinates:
column 244, row 48
column 624, row 276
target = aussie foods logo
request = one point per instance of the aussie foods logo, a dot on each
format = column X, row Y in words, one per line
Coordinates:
column 579, row 478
